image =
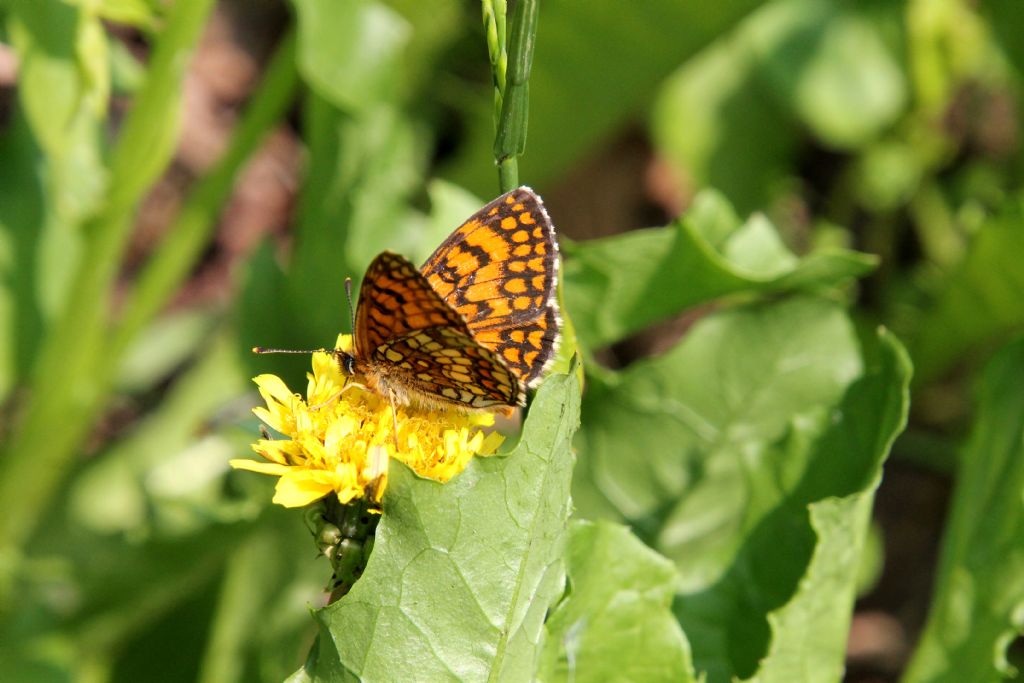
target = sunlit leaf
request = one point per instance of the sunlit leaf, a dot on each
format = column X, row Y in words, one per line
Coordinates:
column 462, row 574
column 350, row 50
column 616, row 621
column 618, row 285
column 981, row 300
column 978, row 608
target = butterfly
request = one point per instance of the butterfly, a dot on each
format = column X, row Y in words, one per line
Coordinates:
column 475, row 326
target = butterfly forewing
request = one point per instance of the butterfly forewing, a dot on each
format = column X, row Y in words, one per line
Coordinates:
column 419, row 345
column 499, row 270
column 394, row 300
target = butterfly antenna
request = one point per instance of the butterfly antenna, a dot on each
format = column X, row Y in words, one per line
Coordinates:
column 351, row 308
column 264, row 349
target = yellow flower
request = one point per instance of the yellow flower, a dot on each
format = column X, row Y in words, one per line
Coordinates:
column 340, row 437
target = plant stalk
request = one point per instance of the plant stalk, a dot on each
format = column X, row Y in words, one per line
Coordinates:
column 513, row 91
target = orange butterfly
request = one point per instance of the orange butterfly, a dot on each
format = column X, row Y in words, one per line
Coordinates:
column 472, row 329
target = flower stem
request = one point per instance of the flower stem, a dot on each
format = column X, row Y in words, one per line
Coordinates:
column 345, row 533
column 512, row 84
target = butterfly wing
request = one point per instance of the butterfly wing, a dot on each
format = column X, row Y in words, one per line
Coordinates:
column 395, row 300
column 499, row 271
column 422, row 344
column 445, row 365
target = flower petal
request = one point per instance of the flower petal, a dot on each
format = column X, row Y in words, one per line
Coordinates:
column 262, row 467
column 296, row 489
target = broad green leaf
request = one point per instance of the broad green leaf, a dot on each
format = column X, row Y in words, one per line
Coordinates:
column 714, row 452
column 618, row 285
column 828, row 65
column 601, row 64
column 981, row 301
column 978, row 608
column 695, row 414
column 462, row 574
column 809, row 632
column 350, row 50
column 708, row 121
column 616, row 622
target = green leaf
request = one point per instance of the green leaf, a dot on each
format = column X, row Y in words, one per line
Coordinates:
column 63, row 93
column 736, row 380
column 362, row 169
column 828, row 65
column 759, row 415
column 616, row 622
column 708, row 121
column 981, row 301
column 22, row 229
column 790, row 67
column 978, row 609
column 462, row 574
column 618, row 285
column 350, row 50
column 74, row 361
column 45, row 35
column 835, row 495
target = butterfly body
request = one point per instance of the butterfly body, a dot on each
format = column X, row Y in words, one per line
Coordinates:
column 476, row 326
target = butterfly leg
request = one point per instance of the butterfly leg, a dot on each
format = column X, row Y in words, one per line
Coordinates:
column 332, row 399
column 394, row 418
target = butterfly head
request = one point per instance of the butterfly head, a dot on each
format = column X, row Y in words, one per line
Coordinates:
column 346, row 361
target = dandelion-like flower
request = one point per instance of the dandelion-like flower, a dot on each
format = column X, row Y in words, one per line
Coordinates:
column 340, row 437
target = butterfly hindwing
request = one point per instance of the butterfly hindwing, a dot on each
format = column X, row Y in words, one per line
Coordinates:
column 446, row 365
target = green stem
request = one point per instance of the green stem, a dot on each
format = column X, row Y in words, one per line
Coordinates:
column 65, row 392
column 238, row 606
column 354, row 526
column 192, row 228
column 508, row 174
column 510, row 135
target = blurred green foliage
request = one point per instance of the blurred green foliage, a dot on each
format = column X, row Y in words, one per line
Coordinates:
column 848, row 168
